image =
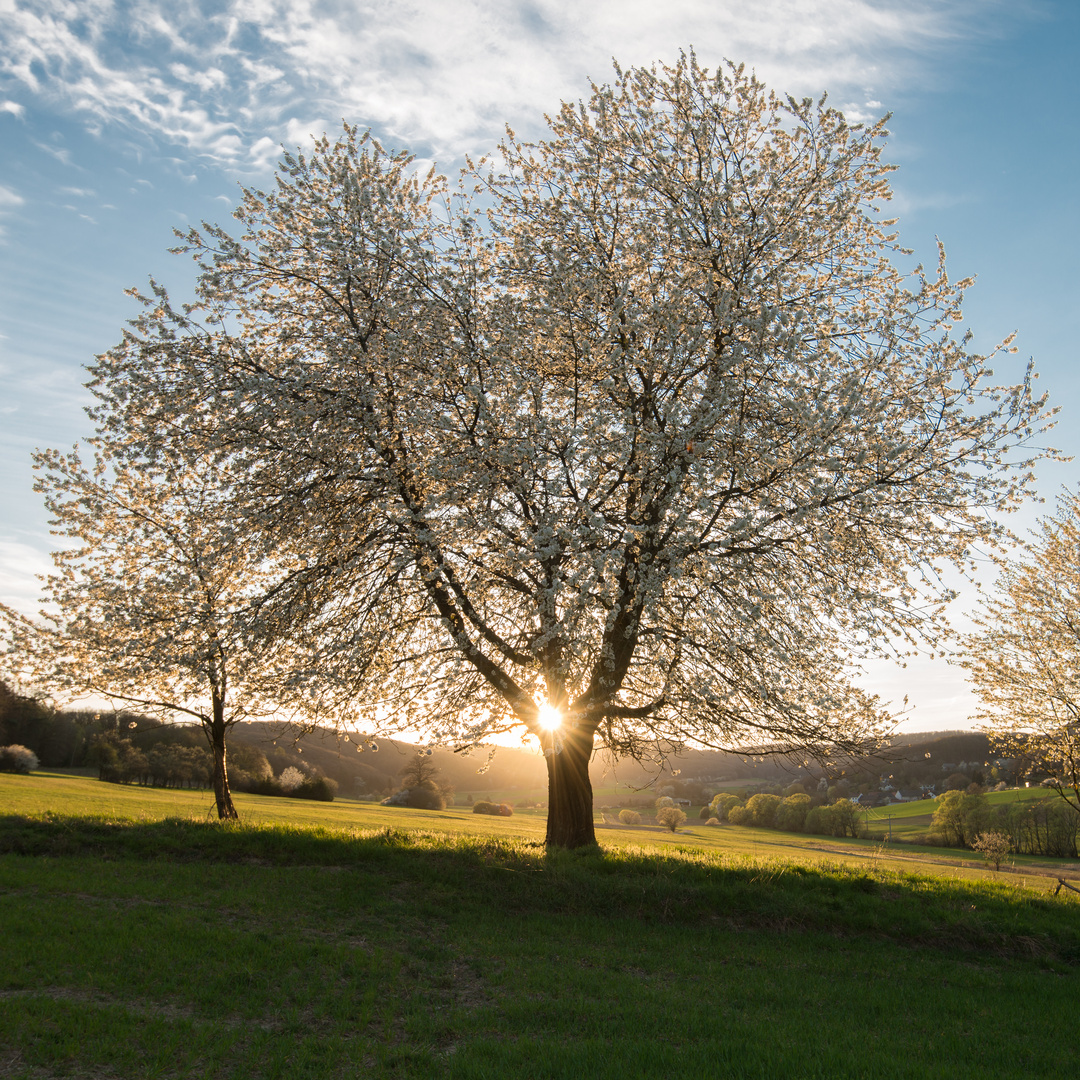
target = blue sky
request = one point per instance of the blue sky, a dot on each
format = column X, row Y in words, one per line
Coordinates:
column 122, row 120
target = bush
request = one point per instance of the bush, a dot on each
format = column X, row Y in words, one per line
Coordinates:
column 840, row 819
column 482, row 806
column 17, row 759
column 721, row 804
column 671, row 817
column 664, row 801
column 704, row 813
column 763, row 809
column 629, row 817
column 958, row 819
column 846, row 817
column 427, row 795
column 290, row 779
column 739, row 815
column 713, row 821
column 320, row 788
column 791, row 814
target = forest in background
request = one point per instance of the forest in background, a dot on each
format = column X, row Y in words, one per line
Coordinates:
column 260, row 751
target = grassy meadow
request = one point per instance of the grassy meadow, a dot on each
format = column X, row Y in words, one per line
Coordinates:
column 910, row 822
column 142, row 939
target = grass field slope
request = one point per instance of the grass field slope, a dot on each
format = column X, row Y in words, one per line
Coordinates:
column 348, row 940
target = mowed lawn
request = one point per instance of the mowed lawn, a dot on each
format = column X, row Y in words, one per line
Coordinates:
column 345, row 939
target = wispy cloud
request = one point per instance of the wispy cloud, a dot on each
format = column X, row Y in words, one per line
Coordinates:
column 9, row 201
column 232, row 80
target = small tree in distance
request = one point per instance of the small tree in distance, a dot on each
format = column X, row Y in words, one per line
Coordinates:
column 671, row 817
column 993, row 846
column 652, row 439
column 419, row 769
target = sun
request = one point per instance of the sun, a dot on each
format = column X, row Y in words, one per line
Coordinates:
column 549, row 717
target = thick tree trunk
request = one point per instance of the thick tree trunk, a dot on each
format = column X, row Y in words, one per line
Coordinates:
column 570, row 798
column 222, row 795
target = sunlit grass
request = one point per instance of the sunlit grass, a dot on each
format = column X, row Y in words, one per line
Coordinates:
column 335, row 940
column 189, row 948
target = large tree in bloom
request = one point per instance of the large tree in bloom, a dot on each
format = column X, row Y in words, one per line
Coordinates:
column 633, row 440
column 1024, row 656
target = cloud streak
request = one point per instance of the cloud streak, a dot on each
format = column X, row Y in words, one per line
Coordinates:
column 229, row 81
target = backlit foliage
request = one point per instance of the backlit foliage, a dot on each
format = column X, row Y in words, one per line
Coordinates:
column 1024, row 659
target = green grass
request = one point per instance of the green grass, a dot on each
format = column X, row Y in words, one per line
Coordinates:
column 911, row 821
column 138, row 943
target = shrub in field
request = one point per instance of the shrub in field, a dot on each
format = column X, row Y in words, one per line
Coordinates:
column 791, row 813
column 247, row 765
column 845, row 817
column 664, row 800
column 818, row 821
column 993, row 846
column 722, row 804
column 840, row 819
column 958, row 819
column 319, row 788
column 671, row 817
column 740, row 815
column 427, row 795
column 483, row 806
column 290, row 779
column 763, row 809
column 629, row 817
column 17, row 759
column 704, row 813
column 713, row 821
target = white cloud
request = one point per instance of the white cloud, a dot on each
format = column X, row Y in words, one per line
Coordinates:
column 12, row 107
column 232, row 80
column 61, row 154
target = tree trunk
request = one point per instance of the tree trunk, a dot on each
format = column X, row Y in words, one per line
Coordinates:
column 222, row 795
column 570, row 798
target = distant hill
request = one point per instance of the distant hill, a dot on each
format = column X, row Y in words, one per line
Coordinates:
column 914, row 759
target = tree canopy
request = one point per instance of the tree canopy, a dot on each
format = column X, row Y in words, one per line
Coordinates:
column 1024, row 658
column 639, row 426
column 152, row 603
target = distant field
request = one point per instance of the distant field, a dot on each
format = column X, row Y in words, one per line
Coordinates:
column 63, row 794
column 911, row 821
